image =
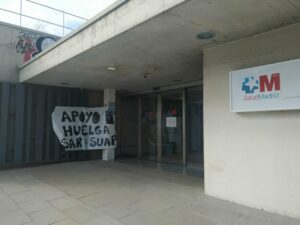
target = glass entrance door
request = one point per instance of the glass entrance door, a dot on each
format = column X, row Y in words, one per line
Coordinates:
column 161, row 127
column 149, row 127
column 172, row 120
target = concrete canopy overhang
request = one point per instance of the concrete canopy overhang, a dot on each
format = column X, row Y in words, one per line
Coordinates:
column 152, row 43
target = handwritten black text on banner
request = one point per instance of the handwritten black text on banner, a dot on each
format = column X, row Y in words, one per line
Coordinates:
column 79, row 128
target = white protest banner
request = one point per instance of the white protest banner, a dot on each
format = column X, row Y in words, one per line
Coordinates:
column 79, row 128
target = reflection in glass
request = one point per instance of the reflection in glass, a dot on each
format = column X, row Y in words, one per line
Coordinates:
column 194, row 127
column 172, row 118
column 149, row 127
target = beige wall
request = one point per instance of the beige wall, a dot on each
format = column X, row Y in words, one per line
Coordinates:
column 251, row 158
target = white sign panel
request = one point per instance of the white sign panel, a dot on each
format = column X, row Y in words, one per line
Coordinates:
column 171, row 122
column 266, row 88
column 80, row 128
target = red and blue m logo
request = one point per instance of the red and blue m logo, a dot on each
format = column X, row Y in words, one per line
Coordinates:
column 265, row 83
column 272, row 84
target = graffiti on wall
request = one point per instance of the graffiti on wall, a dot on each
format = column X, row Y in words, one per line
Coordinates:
column 29, row 45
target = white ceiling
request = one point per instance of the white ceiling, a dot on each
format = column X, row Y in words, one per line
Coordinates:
column 166, row 48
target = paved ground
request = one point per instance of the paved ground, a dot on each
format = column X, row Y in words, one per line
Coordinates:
column 98, row 193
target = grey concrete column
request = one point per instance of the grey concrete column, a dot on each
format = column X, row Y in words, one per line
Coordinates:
column 109, row 100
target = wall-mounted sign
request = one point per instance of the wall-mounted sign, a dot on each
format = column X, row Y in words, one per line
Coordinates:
column 80, row 128
column 266, row 88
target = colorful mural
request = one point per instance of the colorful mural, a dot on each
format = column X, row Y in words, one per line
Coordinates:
column 29, row 45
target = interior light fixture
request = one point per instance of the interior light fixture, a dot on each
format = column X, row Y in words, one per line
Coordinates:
column 205, row 35
column 111, row 68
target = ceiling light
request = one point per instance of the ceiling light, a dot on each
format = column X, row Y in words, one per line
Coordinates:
column 206, row 35
column 112, row 68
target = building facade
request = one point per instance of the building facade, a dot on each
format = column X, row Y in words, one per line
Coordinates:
column 167, row 65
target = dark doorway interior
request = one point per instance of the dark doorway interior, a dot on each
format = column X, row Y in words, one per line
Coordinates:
column 149, row 127
column 129, row 127
column 194, row 108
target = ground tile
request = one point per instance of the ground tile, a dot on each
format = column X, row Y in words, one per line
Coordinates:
column 51, row 195
column 180, row 216
column 65, row 222
column 103, row 220
column 15, row 188
column 144, row 219
column 14, row 218
column 117, row 210
column 23, row 196
column 47, row 216
column 65, row 203
column 6, row 204
column 249, row 220
column 81, row 213
column 34, row 205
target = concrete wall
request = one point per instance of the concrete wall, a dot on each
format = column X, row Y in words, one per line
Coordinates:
column 19, row 45
column 251, row 158
column 95, row 32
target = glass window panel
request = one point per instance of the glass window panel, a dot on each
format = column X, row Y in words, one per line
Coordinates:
column 172, row 127
column 149, row 127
